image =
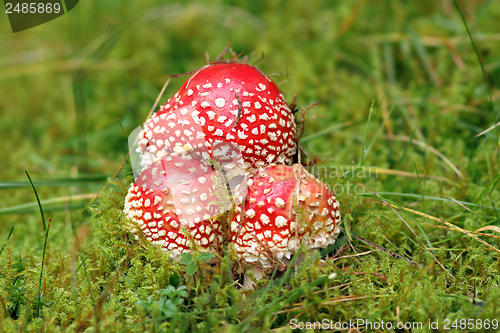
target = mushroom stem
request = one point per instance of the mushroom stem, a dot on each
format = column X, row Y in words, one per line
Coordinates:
column 251, row 275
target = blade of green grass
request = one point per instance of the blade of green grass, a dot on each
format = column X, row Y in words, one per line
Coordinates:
column 24, row 208
column 54, row 237
column 420, row 184
column 411, row 211
column 37, row 200
column 8, row 237
column 63, row 182
column 490, row 185
column 398, row 167
column 38, row 292
column 398, row 229
column 412, row 122
column 426, row 238
column 380, row 128
column 418, row 196
column 324, row 132
column 422, row 54
column 484, row 75
column 488, row 164
column 366, row 134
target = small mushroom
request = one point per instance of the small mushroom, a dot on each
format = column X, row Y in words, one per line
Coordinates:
column 285, row 207
column 177, row 203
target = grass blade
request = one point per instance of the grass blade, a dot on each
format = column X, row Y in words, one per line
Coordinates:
column 406, row 150
column 62, row 182
column 430, row 148
column 420, row 184
column 38, row 292
column 24, row 208
column 451, row 225
column 37, row 199
column 366, row 134
column 324, row 132
column 490, row 185
column 380, row 127
column 484, row 74
column 418, row 196
column 8, row 237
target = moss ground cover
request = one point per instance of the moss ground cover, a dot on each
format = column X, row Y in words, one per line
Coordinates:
column 402, row 95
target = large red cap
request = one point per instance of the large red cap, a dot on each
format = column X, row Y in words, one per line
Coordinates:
column 238, row 103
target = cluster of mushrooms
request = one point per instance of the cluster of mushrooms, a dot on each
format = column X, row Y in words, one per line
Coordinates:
column 215, row 173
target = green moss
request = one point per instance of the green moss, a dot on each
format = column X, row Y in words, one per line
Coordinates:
column 412, row 60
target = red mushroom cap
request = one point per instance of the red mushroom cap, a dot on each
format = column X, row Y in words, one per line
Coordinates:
column 285, row 207
column 234, row 103
column 176, row 202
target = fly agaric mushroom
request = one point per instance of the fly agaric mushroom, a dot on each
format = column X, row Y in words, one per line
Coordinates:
column 177, row 202
column 285, row 207
column 230, row 102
